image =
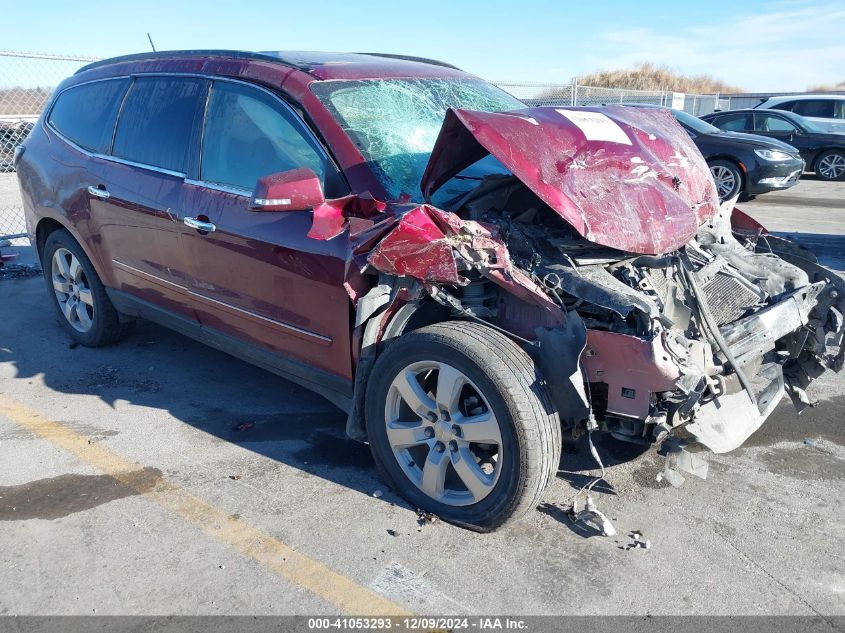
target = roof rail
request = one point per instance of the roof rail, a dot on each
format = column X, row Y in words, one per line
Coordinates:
column 191, row 53
column 411, row 58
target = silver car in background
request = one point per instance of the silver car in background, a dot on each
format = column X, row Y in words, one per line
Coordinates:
column 826, row 110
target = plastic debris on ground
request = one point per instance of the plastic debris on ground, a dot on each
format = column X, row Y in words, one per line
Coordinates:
column 638, row 541
column 592, row 517
column 424, row 517
column 679, row 459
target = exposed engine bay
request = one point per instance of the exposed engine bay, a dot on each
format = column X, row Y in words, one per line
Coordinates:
column 726, row 323
column 651, row 310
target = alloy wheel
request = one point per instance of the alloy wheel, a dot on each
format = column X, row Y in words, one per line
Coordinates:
column 832, row 166
column 725, row 180
column 443, row 433
column 73, row 293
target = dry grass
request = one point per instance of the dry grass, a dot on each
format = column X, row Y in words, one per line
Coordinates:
column 827, row 87
column 652, row 77
column 23, row 100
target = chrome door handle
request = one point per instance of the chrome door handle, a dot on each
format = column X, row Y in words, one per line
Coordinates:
column 199, row 225
column 99, row 193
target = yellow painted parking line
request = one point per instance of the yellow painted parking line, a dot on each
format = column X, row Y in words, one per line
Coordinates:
column 279, row 558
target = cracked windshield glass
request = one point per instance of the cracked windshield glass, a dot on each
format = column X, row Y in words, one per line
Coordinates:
column 395, row 123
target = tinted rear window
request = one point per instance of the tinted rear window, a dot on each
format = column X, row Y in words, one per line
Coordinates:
column 158, row 119
column 732, row 122
column 85, row 114
column 815, row 107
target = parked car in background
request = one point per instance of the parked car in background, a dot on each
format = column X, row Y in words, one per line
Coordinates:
column 13, row 132
column 742, row 165
column 822, row 151
column 826, row 111
column 466, row 277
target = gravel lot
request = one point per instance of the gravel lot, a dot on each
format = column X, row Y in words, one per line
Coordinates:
column 205, row 514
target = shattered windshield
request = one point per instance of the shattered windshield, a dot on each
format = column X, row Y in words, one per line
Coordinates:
column 395, row 122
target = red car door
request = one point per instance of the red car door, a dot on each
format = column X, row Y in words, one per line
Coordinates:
column 136, row 193
column 256, row 275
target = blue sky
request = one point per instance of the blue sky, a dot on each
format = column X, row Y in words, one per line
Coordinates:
column 757, row 45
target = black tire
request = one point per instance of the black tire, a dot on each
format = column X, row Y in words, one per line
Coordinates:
column 839, row 157
column 736, row 173
column 508, row 379
column 106, row 327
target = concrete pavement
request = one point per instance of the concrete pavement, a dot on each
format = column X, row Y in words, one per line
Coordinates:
column 762, row 535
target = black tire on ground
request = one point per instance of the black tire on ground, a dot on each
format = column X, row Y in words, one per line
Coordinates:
column 106, row 327
column 507, row 378
column 836, row 171
column 717, row 166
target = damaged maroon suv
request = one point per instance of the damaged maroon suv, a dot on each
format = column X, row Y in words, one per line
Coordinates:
column 468, row 278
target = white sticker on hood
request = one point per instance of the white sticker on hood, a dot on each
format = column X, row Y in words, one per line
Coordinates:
column 596, row 126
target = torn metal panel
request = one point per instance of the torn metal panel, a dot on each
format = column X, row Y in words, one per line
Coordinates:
column 628, row 178
column 724, row 423
column 632, row 368
column 436, row 246
column 560, row 352
column 418, row 248
column 331, row 218
column 743, row 223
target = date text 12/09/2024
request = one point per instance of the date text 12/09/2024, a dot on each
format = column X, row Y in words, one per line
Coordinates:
column 423, row 623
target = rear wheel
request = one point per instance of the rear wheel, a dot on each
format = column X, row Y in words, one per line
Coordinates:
column 460, row 423
column 830, row 165
column 78, row 296
column 728, row 178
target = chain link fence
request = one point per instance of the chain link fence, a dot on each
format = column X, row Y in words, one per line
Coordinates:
column 574, row 94
column 27, row 80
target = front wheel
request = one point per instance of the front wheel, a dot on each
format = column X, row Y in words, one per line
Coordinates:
column 460, row 423
column 728, row 178
column 830, row 165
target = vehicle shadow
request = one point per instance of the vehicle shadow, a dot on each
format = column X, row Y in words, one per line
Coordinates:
column 219, row 395
column 215, row 393
column 578, row 467
column 828, row 248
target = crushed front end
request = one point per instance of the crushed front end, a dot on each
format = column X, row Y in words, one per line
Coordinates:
column 702, row 341
column 652, row 311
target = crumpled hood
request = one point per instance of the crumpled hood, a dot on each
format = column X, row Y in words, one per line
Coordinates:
column 628, row 178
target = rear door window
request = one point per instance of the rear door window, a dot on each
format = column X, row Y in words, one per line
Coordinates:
column 160, row 121
column 249, row 134
column 85, row 114
column 772, row 123
column 732, row 122
column 815, row 107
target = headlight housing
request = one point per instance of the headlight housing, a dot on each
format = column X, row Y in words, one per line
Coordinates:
column 772, row 154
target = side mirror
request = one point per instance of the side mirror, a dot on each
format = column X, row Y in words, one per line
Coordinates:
column 293, row 190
